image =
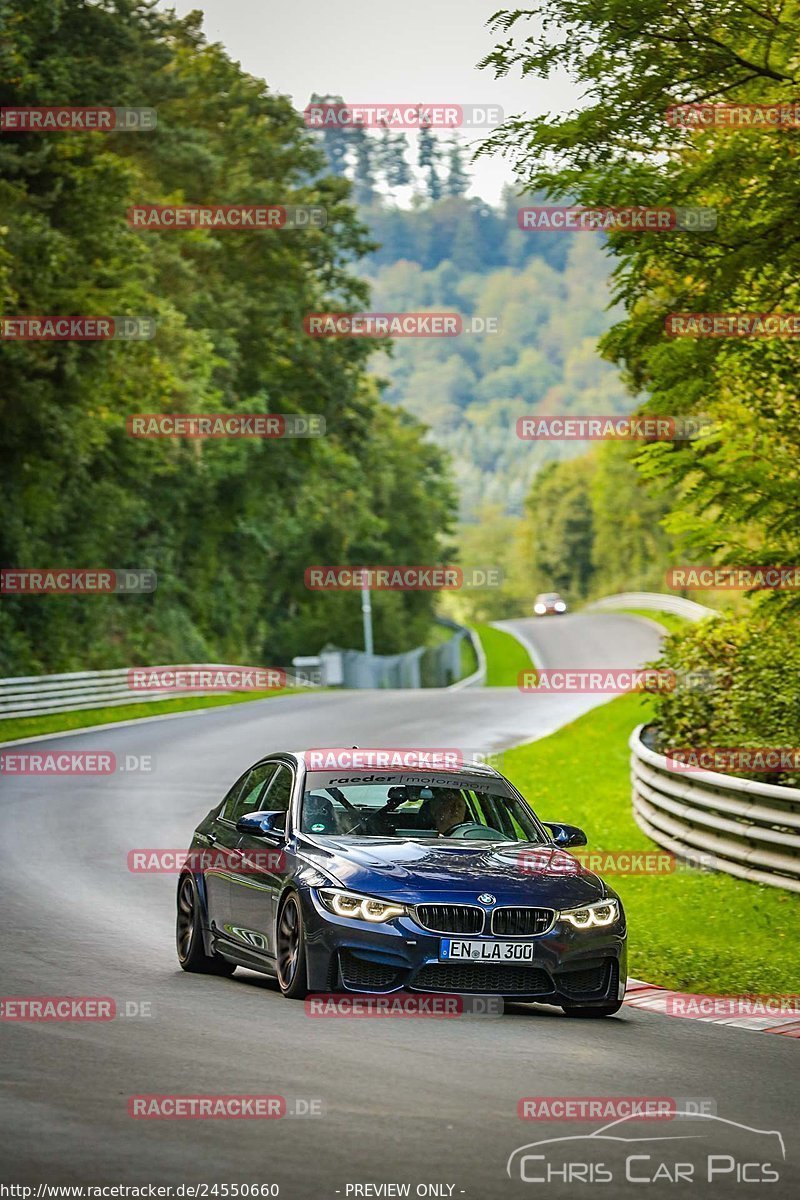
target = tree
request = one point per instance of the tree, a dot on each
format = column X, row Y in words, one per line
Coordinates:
column 428, row 155
column 335, row 139
column 363, row 169
column 561, row 529
column 229, row 526
column 457, row 181
column 391, row 158
column 737, row 488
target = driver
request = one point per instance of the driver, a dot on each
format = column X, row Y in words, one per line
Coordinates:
column 448, row 809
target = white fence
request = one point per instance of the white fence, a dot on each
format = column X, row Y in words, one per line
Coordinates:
column 740, row 826
column 656, row 602
column 424, row 666
column 37, row 695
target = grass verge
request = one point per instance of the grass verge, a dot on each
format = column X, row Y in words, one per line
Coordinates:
column 469, row 659
column 672, row 622
column 692, row 930
column 505, row 656
column 21, row 727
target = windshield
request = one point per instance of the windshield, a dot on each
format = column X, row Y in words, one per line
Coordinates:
column 485, row 810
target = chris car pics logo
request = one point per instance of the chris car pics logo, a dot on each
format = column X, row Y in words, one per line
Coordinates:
column 698, row 1147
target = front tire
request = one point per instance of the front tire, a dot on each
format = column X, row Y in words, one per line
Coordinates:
column 189, row 935
column 291, row 949
column 598, row 1010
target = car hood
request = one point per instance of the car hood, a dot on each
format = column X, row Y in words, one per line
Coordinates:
column 520, row 873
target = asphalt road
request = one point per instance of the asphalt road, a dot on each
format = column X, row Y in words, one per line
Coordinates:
column 419, row 1102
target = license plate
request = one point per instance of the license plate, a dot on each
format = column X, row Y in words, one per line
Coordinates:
column 457, row 948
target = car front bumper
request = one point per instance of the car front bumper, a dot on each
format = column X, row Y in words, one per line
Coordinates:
column 569, row 966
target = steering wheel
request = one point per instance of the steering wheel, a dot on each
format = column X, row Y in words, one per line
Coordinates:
column 361, row 818
column 472, row 829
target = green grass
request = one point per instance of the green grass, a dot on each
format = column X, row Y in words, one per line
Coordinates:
column 439, row 634
column 691, row 930
column 20, row 727
column 505, row 657
column 671, row 621
column 469, row 659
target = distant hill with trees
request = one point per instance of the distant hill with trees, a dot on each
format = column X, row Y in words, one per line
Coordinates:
column 438, row 248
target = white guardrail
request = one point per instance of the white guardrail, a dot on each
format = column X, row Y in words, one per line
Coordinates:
column 38, row 695
column 740, row 826
column 655, row 601
column 478, row 677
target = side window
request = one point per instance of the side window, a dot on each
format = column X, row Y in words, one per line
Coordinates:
column 280, row 792
column 230, row 799
column 245, row 799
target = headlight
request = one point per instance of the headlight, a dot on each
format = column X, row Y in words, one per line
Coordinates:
column 604, row 912
column 361, row 908
column 540, row 608
column 560, row 606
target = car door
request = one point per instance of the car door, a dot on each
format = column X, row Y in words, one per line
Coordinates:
column 258, row 878
column 224, row 837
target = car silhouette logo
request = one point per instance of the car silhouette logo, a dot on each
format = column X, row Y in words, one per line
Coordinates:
column 486, row 898
column 598, row 1136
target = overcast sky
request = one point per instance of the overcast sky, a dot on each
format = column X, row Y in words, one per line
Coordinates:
column 371, row 51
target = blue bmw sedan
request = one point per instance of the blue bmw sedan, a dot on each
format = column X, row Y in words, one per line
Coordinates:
column 414, row 879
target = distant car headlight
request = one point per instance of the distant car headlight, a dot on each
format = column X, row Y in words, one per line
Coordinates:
column 560, row 606
column 540, row 608
column 603, row 912
column 361, row 908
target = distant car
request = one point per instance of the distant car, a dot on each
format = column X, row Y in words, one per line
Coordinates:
column 549, row 602
column 424, row 880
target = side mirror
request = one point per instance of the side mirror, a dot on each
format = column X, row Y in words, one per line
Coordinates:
column 566, row 835
column 270, row 824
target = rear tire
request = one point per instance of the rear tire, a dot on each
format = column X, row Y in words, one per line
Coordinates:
column 598, row 1010
column 189, row 934
column 291, row 949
